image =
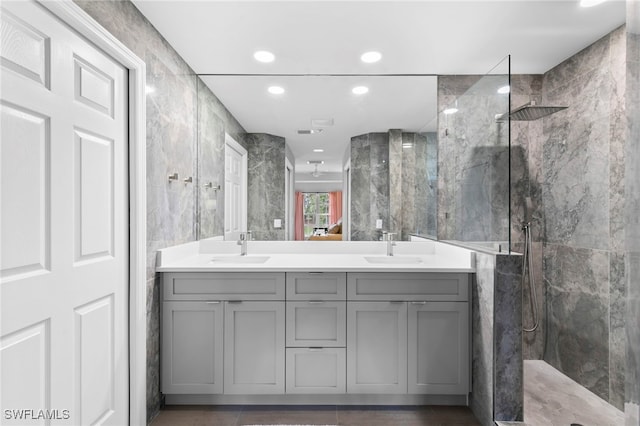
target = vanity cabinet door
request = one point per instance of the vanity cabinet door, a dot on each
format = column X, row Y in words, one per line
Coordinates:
column 377, row 347
column 439, row 347
column 254, row 347
column 192, row 347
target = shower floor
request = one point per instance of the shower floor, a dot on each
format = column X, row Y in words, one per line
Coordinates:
column 553, row 399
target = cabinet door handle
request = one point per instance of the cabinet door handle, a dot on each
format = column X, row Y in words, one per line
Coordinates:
column 418, row 303
column 316, row 302
column 213, row 302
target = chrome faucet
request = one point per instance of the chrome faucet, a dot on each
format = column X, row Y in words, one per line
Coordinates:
column 242, row 242
column 388, row 236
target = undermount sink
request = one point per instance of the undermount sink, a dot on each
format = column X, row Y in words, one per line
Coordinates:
column 396, row 260
column 240, row 259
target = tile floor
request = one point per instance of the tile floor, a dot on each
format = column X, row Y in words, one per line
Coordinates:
column 314, row 415
column 553, row 399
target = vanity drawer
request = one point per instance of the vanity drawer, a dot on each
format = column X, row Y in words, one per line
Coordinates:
column 408, row 286
column 316, row 285
column 316, row 370
column 223, row 286
column 316, row 324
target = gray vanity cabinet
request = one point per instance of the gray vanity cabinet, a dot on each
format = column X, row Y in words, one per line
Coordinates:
column 192, row 342
column 223, row 333
column 408, row 333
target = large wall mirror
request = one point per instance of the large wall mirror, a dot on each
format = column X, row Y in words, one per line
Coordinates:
column 358, row 150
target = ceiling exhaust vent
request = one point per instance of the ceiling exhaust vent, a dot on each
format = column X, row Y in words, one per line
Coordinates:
column 309, row 131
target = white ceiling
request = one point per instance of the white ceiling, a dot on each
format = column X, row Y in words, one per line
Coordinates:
column 426, row 37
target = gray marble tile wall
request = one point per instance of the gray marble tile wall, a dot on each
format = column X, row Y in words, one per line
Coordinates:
column 582, row 185
column 632, row 219
column 265, row 185
column 174, row 106
column 473, row 164
column 369, row 185
column 419, row 200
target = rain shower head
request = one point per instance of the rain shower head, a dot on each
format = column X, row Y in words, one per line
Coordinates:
column 530, row 112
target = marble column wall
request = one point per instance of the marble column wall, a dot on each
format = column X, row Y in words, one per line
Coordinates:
column 632, row 219
column 266, row 185
column 396, row 174
column 172, row 146
column 369, row 185
column 419, row 199
column 497, row 375
column 582, row 185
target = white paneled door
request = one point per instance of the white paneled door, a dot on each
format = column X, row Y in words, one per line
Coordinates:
column 235, row 189
column 64, row 225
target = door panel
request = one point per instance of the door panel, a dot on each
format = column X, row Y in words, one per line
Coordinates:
column 64, row 249
column 235, row 182
column 376, row 347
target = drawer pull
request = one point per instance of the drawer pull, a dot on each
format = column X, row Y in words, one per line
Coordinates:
column 316, row 302
column 213, row 302
column 316, row 273
column 235, row 301
column 316, row 349
column 418, row 303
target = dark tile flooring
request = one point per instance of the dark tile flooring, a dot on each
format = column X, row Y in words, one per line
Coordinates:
column 188, row 415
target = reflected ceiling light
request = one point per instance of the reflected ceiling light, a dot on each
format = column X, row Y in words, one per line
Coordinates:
column 318, row 150
column 360, row 90
column 276, row 90
column 407, row 145
column 504, row 90
column 264, row 56
column 589, row 3
column 371, row 57
column 450, row 111
column 149, row 89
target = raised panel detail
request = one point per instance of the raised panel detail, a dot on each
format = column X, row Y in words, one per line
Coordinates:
column 93, row 87
column 94, row 347
column 316, row 370
column 23, row 49
column 94, row 196
column 25, row 366
column 25, row 199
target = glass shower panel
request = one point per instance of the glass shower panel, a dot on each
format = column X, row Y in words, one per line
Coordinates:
column 474, row 159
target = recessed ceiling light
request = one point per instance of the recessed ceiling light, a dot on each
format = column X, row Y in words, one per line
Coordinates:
column 318, row 150
column 264, row 56
column 360, row 90
column 371, row 57
column 589, row 3
column 450, row 111
column 504, row 90
column 276, row 90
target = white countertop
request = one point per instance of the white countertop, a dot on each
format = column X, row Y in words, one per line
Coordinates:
column 330, row 256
